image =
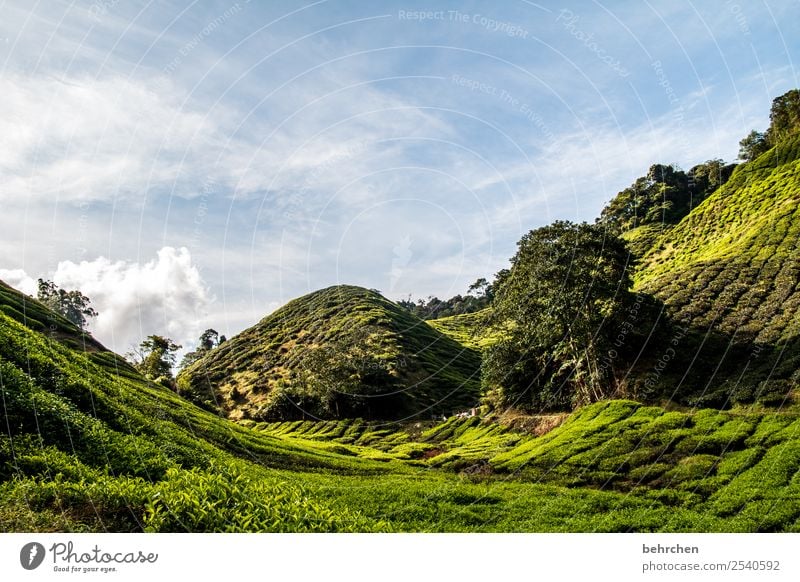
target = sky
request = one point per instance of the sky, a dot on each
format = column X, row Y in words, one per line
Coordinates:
column 198, row 164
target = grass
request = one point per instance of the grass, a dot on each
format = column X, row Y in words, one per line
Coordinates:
column 90, row 445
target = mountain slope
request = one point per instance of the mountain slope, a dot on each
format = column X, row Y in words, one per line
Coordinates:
column 89, row 444
column 468, row 329
column 729, row 275
column 733, row 263
column 340, row 352
column 86, row 447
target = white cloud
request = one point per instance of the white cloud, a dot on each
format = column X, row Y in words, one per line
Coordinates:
column 164, row 296
column 19, row 279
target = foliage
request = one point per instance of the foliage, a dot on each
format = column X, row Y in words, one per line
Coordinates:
column 73, row 305
column 92, row 446
column 479, row 296
column 664, row 196
column 752, row 145
column 784, row 117
column 155, row 357
column 730, row 271
column 208, row 340
column 573, row 323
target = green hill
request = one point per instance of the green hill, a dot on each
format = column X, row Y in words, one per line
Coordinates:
column 340, row 352
column 88, row 444
column 730, row 272
column 469, row 329
column 733, row 262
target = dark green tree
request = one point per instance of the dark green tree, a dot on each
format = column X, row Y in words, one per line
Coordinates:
column 784, row 116
column 73, row 305
column 155, row 357
column 565, row 303
column 706, row 177
column 208, row 340
column 752, row 146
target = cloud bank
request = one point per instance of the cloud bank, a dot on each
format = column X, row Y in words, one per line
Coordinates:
column 164, row 296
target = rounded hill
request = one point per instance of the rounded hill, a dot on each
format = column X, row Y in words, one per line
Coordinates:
column 340, row 352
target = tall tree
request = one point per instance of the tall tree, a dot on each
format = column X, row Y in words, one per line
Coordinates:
column 563, row 304
column 784, row 116
column 752, row 145
column 73, row 305
column 208, row 340
column 155, row 357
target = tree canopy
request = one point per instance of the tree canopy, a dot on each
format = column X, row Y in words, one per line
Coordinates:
column 155, row 357
column 208, row 340
column 570, row 317
column 479, row 295
column 73, row 305
column 664, row 195
column 784, row 120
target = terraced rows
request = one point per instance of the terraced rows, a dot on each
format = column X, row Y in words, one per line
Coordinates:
column 743, row 466
column 733, row 264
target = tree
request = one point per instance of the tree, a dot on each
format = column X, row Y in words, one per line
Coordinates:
column 708, row 176
column 73, row 305
column 752, row 146
column 564, row 305
column 208, row 340
column 663, row 196
column 784, row 116
column 155, row 357
column 784, row 120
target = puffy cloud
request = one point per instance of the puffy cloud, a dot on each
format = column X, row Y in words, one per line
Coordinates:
column 164, row 296
column 19, row 279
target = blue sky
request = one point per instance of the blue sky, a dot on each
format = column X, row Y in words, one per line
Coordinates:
column 199, row 164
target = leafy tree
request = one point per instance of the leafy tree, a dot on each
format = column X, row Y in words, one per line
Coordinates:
column 155, row 357
column 784, row 120
column 784, row 116
column 208, row 340
column 706, row 177
column 73, row 305
column 570, row 319
column 664, row 196
column 752, row 146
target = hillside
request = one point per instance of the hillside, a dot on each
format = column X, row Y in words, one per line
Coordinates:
column 730, row 272
column 90, row 446
column 340, row 352
column 468, row 329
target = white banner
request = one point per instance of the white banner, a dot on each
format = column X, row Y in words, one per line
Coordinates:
column 401, row 557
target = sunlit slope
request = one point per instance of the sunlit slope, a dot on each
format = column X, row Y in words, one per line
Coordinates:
column 469, row 329
column 87, row 443
column 87, row 448
column 340, row 352
column 733, row 264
